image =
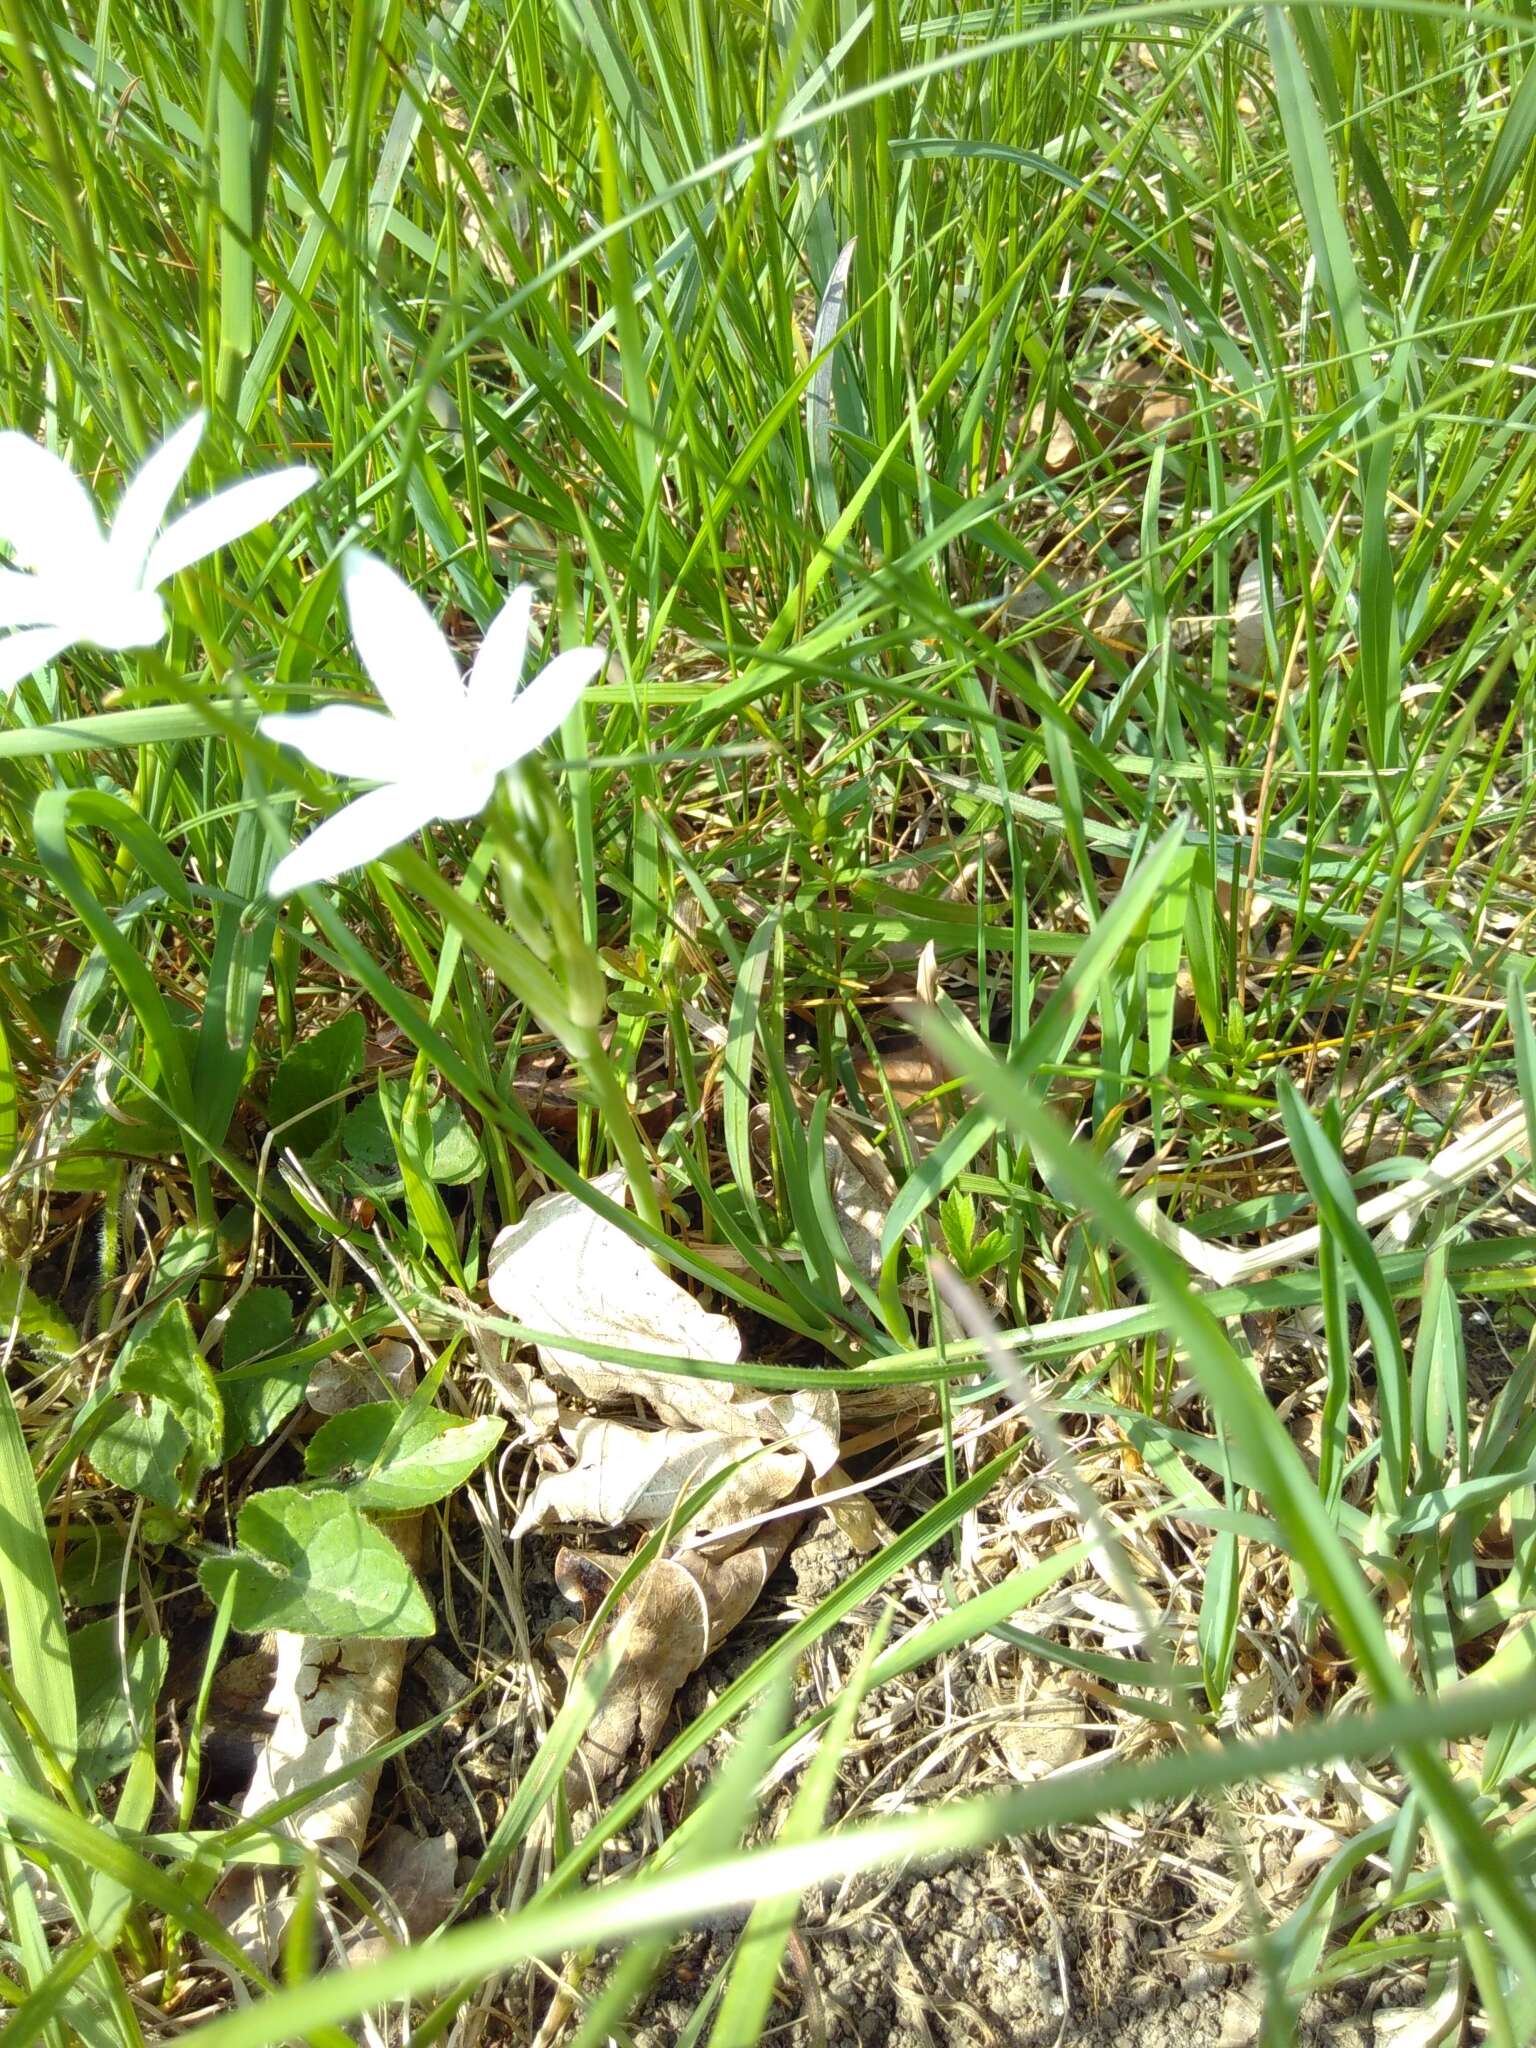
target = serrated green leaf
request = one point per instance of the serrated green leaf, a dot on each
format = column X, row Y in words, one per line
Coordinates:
column 957, row 1219
column 142, row 1451
column 314, row 1565
column 393, row 1462
column 163, row 1361
column 985, row 1253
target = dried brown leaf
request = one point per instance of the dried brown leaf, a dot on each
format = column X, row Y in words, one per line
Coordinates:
column 681, row 1610
column 419, row 1877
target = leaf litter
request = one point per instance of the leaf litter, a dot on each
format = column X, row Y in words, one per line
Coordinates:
column 567, row 1271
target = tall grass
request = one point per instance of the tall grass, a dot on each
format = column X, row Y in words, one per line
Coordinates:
column 803, row 355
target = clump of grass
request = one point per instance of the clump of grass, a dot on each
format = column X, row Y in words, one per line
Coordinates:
column 1056, row 491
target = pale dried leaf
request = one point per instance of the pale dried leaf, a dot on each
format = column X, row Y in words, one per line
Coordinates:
column 522, row 1391
column 859, row 1217
column 330, row 1702
column 1117, row 624
column 385, row 1371
column 567, row 1270
column 1061, row 450
column 1047, row 1733
column 1422, row 2026
column 856, row 1516
column 621, row 1474
column 1170, row 413
column 1025, row 603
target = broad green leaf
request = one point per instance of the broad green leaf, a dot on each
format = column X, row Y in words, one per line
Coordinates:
column 305, row 1105
column 392, row 1461
column 188, row 1253
column 39, row 1323
column 454, row 1154
column 115, row 1702
column 144, row 1451
column 313, row 1564
column 256, row 1403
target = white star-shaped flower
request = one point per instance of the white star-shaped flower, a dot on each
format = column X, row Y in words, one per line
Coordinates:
column 442, row 741
column 71, row 582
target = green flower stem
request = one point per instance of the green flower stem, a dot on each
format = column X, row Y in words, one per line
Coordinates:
column 572, row 1012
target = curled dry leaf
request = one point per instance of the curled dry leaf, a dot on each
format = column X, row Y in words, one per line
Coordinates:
column 520, row 1387
column 1423, row 2026
column 1061, row 451
column 567, row 1270
column 1170, row 413
column 861, row 1522
column 681, row 1610
column 621, row 1474
column 1248, row 619
column 1046, row 1733
column 861, row 1209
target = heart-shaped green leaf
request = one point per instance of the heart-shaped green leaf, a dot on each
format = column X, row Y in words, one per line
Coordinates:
column 311, row 1563
column 305, row 1106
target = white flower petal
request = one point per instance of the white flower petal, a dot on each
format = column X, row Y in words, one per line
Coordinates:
column 345, row 739
column 498, row 666
column 27, row 600
column 357, row 834
column 22, row 654
column 462, row 792
column 224, row 517
column 402, row 648
column 142, row 508
column 542, row 705
column 46, row 514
